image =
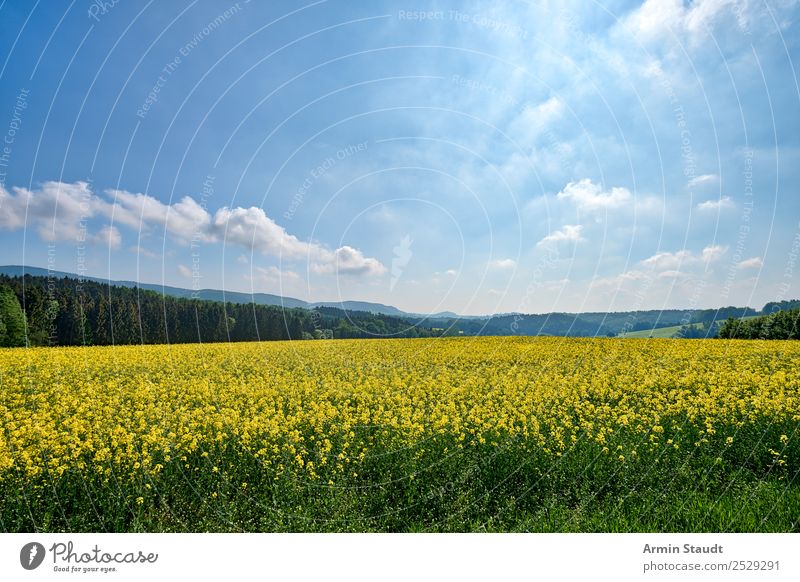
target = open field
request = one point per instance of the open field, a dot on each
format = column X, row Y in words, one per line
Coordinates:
column 458, row 434
column 665, row 332
column 658, row 332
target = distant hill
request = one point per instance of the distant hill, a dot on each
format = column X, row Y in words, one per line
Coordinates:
column 226, row 296
column 208, row 294
column 656, row 323
column 379, row 308
column 64, row 311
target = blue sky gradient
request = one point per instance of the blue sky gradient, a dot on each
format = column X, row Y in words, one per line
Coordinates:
column 478, row 157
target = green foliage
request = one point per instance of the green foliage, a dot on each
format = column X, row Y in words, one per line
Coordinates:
column 779, row 325
column 774, row 306
column 698, row 330
column 68, row 311
column 12, row 332
column 709, row 317
column 497, row 488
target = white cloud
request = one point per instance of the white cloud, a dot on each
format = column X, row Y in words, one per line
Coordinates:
column 58, row 210
column 712, row 253
column 185, row 219
column 140, row 250
column 549, row 110
column 346, row 261
column 660, row 20
column 689, row 24
column 668, row 260
column 672, row 274
column 185, row 271
column 55, row 209
column 530, row 122
column 503, row 264
column 656, row 18
column 617, row 280
column 273, row 274
column 451, row 272
column 254, row 230
column 589, row 196
column 719, row 204
column 109, row 236
column 673, row 261
column 567, row 233
column 702, row 180
column 752, row 263
column 701, row 15
column 633, row 275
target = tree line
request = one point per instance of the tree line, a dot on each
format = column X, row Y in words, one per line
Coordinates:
column 37, row 310
column 777, row 325
column 66, row 311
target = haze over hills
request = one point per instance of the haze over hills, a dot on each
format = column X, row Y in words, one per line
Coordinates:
column 690, row 323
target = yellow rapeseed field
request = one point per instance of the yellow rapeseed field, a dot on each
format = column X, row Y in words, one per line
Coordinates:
column 129, row 421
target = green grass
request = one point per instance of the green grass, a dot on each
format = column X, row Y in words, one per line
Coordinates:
column 663, row 332
column 716, row 488
column 659, row 332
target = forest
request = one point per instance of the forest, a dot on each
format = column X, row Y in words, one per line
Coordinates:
column 42, row 311
column 780, row 324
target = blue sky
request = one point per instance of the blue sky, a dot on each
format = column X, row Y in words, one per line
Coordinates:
column 478, row 157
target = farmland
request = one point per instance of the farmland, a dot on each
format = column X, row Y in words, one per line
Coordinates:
column 448, row 434
column 658, row 332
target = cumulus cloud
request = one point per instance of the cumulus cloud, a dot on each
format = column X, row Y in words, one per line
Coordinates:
column 672, row 274
column 252, row 229
column 674, row 261
column 714, row 252
column 503, row 264
column 55, row 209
column 668, row 260
column 655, row 18
column 345, row 260
column 615, row 281
column 59, row 210
column 752, row 263
column 140, row 250
column 273, row 274
column 533, row 118
column 589, row 196
column 719, row 204
column 185, row 219
column 702, row 180
column 109, row 236
column 658, row 20
column 567, row 233
column 185, row 271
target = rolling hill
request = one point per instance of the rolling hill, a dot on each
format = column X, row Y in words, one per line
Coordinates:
column 226, row 296
column 641, row 323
